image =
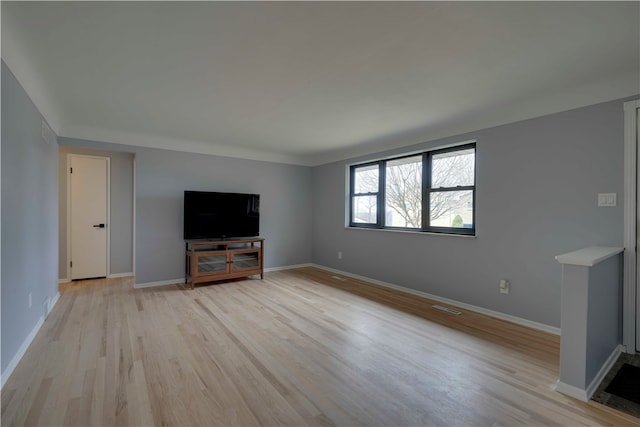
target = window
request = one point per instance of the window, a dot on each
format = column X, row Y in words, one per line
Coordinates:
column 432, row 191
column 365, row 190
column 403, row 192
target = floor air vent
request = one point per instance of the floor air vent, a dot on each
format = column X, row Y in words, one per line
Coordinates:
column 447, row 310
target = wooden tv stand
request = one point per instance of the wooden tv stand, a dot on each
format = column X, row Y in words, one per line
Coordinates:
column 213, row 260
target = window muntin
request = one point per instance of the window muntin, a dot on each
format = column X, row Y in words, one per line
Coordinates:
column 431, row 192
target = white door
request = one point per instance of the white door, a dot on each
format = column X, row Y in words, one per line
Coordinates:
column 631, row 291
column 88, row 216
column 638, row 214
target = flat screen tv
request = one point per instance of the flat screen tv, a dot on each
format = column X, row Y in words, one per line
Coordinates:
column 212, row 215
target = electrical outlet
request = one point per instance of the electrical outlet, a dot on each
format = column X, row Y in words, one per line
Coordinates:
column 29, row 299
column 339, row 254
column 504, row 286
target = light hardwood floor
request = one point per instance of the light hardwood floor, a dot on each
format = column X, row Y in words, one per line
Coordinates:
column 298, row 348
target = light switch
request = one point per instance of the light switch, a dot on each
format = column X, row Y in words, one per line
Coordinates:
column 606, row 199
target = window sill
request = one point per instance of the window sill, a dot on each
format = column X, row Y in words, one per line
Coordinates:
column 429, row 233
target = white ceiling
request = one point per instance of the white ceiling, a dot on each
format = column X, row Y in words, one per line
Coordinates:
column 312, row 82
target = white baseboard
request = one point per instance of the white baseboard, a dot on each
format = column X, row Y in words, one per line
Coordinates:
column 53, row 302
column 113, row 276
column 606, row 367
column 109, row 276
column 585, row 395
column 25, row 344
column 572, row 391
column 513, row 319
column 287, row 267
column 518, row 320
column 21, row 351
column 159, row 283
column 181, row 280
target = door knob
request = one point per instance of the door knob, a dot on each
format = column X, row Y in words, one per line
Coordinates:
column 99, row 226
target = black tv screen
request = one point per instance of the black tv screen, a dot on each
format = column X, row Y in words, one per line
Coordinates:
column 211, row 215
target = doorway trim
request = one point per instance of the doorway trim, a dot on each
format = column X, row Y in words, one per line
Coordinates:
column 68, row 174
column 629, row 302
column 133, row 221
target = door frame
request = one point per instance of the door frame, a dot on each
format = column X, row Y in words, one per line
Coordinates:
column 108, row 159
column 631, row 176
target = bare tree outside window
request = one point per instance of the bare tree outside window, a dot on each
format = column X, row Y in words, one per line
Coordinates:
column 451, row 190
column 365, row 205
column 450, row 171
column 403, row 192
column 453, row 169
column 365, row 209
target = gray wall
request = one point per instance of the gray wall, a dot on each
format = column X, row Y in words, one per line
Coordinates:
column 29, row 217
column 537, row 185
column 121, row 210
column 591, row 319
column 537, row 182
column 604, row 314
column 574, row 315
column 162, row 176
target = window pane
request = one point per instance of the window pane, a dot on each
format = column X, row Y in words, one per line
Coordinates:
column 365, row 209
column 451, row 209
column 366, row 179
column 453, row 168
column 403, row 193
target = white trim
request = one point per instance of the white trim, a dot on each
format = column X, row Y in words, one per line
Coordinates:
column 21, row 351
column 133, row 220
column 159, row 283
column 571, row 391
column 585, row 395
column 181, row 280
column 27, row 342
column 509, row 318
column 54, row 301
column 630, row 220
column 422, row 233
column 113, row 276
column 61, row 281
column 589, row 256
column 287, row 267
column 108, row 215
column 68, row 267
column 604, row 369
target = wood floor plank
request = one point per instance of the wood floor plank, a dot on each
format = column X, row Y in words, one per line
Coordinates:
column 297, row 348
